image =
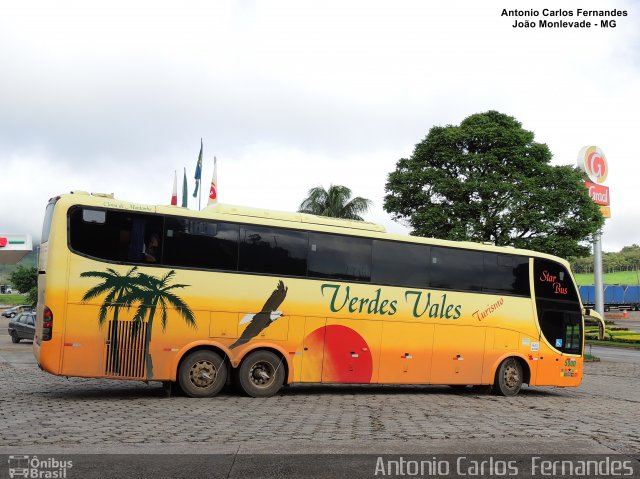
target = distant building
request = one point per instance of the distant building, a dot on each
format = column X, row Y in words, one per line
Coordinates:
column 14, row 247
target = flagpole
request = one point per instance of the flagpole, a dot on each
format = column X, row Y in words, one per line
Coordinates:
column 198, row 178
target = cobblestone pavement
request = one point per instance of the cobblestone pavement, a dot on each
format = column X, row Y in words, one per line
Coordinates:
column 37, row 409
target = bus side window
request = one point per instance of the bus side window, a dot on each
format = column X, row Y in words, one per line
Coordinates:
column 339, row 257
column 117, row 236
column 456, row 269
column 200, row 244
column 506, row 274
column 400, row 264
column 273, row 251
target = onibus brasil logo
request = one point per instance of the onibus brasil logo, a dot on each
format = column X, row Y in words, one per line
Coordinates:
column 33, row 467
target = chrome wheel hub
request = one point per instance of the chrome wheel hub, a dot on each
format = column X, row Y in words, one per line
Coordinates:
column 203, row 374
column 511, row 377
column 261, row 373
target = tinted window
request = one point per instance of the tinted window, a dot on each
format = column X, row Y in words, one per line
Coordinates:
column 116, row 235
column 561, row 328
column 273, row 251
column 401, row 264
column 456, row 269
column 557, row 304
column 201, row 244
column 339, row 257
column 48, row 217
column 506, row 274
column 553, row 281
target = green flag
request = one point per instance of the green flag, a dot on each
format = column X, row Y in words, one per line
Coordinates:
column 198, row 174
column 184, row 189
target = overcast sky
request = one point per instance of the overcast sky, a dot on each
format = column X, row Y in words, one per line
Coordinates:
column 114, row 96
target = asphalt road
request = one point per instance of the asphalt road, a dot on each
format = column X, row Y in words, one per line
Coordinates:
column 631, row 324
column 615, row 354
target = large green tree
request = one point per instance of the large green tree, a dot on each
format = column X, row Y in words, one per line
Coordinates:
column 335, row 202
column 25, row 280
column 488, row 180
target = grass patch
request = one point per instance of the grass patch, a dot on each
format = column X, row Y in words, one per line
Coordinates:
column 13, row 299
column 590, row 358
column 623, row 277
column 615, row 333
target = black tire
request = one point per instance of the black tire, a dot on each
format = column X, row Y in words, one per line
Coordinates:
column 202, row 374
column 508, row 378
column 14, row 337
column 12, row 315
column 261, row 374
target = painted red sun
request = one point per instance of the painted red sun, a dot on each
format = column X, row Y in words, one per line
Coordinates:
column 347, row 357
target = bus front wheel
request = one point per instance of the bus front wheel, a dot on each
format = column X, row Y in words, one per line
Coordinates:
column 202, row 374
column 261, row 374
column 508, row 378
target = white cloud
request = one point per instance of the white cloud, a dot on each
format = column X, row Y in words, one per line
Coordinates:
column 113, row 96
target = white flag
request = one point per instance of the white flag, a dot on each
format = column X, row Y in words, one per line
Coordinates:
column 174, row 195
column 213, row 191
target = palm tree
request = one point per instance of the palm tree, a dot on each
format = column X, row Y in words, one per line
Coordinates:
column 335, row 202
column 157, row 291
column 121, row 291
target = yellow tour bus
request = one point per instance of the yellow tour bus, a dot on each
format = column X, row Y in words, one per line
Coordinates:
column 265, row 299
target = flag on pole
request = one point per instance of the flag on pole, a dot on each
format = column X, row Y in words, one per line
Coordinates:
column 213, row 191
column 184, row 189
column 174, row 195
column 198, row 174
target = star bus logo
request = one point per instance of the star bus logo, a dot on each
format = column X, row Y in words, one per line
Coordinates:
column 592, row 161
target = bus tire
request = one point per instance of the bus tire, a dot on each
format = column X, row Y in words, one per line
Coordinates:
column 508, row 378
column 202, row 374
column 261, row 374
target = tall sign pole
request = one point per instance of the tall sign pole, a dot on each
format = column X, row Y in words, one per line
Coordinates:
column 592, row 161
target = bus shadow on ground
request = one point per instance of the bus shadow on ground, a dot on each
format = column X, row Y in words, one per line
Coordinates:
column 393, row 389
column 96, row 389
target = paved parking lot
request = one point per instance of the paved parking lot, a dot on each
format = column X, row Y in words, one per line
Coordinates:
column 40, row 412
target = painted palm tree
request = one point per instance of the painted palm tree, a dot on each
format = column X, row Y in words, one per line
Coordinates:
column 157, row 292
column 335, row 202
column 121, row 292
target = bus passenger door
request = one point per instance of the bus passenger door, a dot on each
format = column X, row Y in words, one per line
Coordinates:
column 351, row 351
column 312, row 350
column 458, row 354
column 405, row 353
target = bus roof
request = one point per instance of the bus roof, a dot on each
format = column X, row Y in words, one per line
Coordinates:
column 291, row 220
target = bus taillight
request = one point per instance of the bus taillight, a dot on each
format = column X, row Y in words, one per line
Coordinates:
column 47, row 325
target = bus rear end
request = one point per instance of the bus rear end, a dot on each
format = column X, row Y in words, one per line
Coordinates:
column 46, row 342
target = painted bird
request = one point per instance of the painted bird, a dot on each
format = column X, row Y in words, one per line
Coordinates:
column 263, row 319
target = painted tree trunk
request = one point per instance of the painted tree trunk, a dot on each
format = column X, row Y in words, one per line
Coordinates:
column 147, row 340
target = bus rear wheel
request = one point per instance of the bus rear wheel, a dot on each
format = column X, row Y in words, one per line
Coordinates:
column 508, row 378
column 261, row 374
column 202, row 374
